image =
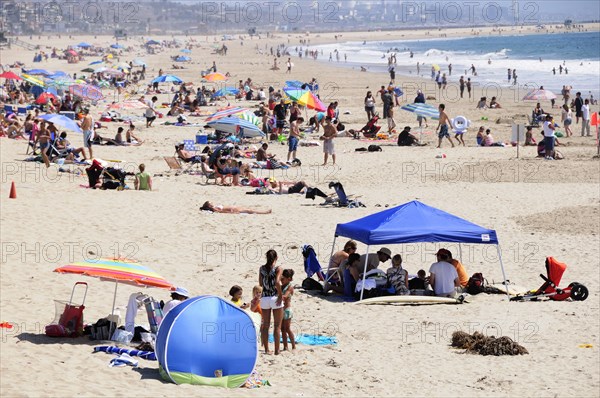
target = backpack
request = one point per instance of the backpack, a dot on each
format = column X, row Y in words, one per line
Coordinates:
column 311, row 284
column 374, row 148
column 476, row 284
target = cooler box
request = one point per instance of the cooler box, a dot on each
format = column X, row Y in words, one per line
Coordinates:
column 201, row 139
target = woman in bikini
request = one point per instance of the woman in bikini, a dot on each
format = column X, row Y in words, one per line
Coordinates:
column 269, row 278
column 208, row 206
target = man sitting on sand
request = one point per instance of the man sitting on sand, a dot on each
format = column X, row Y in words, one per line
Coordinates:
column 443, row 276
column 405, row 138
column 463, row 277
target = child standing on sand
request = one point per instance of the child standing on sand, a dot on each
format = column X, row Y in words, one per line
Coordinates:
column 287, row 290
column 236, row 293
column 255, row 303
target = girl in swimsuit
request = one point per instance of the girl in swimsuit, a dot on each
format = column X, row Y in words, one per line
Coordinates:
column 286, row 325
column 208, row 206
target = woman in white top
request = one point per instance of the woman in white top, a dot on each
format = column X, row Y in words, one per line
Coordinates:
column 567, row 119
column 370, row 105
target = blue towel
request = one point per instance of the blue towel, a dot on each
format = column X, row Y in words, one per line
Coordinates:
column 311, row 263
column 311, row 339
column 149, row 355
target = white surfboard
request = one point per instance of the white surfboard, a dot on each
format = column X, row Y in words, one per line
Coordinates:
column 410, row 300
column 513, row 290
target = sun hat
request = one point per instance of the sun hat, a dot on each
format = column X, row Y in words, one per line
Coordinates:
column 386, row 251
column 182, row 291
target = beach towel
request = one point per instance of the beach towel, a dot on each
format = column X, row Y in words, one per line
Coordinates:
column 123, row 360
column 311, row 339
column 255, row 381
column 149, row 355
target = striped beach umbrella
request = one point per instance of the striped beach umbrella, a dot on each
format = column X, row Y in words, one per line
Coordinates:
column 226, row 91
column 540, row 95
column 122, row 271
column 305, row 98
column 424, row 110
column 237, row 126
column 86, row 91
column 127, row 105
column 249, row 117
column 215, row 77
column 33, row 80
column 229, row 111
column 167, row 78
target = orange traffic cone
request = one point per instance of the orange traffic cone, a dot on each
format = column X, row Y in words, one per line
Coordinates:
column 13, row 191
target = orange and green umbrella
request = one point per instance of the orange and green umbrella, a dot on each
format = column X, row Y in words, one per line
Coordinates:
column 305, row 98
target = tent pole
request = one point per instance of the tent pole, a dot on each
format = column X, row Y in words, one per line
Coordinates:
column 326, row 276
column 112, row 313
column 460, row 252
column 362, row 290
column 502, row 267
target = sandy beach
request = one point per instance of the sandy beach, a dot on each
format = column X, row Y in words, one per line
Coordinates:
column 538, row 208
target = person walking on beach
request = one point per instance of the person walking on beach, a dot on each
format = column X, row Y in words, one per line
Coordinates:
column 418, row 69
column 87, row 125
column 443, row 126
column 382, row 94
column 509, row 75
column 289, row 65
column 388, row 101
column 473, row 72
column 370, row 105
column 449, row 69
column 514, row 74
column 294, row 138
column 567, row 119
column 578, row 107
column 392, row 75
column 329, row 133
column 469, row 87
column 143, row 181
column 549, row 138
column 269, row 278
column 150, row 111
column 461, row 83
column 585, row 118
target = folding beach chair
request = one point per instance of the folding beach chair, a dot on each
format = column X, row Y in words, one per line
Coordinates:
column 173, row 163
column 340, row 199
column 313, row 267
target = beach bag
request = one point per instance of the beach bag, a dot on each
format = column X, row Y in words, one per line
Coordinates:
column 475, row 284
column 374, row 148
column 311, row 284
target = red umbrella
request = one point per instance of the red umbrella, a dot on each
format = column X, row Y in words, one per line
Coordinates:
column 44, row 98
column 71, row 52
column 10, row 75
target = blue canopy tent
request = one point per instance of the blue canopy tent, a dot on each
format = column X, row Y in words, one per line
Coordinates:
column 415, row 222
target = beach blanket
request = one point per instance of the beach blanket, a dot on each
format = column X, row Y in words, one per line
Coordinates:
column 255, row 381
column 149, row 355
column 311, row 339
column 176, row 124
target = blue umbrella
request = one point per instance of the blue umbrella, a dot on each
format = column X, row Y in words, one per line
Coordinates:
column 62, row 121
column 424, row 110
column 167, row 78
column 116, row 45
column 237, row 126
column 96, row 62
column 226, row 91
column 57, row 75
column 52, row 90
column 294, row 83
column 139, row 62
column 84, row 45
column 43, row 72
column 398, row 91
column 150, row 42
column 187, row 51
column 182, row 58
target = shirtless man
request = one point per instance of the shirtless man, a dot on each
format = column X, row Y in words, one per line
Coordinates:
column 443, row 126
column 87, row 125
column 329, row 134
column 294, row 138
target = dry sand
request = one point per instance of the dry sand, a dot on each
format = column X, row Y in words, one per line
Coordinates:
column 538, row 208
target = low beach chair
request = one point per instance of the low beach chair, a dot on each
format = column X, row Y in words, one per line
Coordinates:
column 173, row 163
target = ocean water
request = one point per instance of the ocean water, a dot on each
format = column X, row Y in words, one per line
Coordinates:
column 578, row 52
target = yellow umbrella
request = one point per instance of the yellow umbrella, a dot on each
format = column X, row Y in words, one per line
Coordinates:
column 33, row 80
column 436, row 67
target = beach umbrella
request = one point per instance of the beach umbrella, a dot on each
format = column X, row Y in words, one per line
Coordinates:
column 139, row 62
column 152, row 42
column 249, row 117
column 221, row 113
column 62, row 122
column 72, row 52
column 52, row 90
column 226, row 91
column 88, row 70
column 182, row 58
column 540, row 95
column 127, row 105
column 423, row 110
column 44, row 98
column 10, row 76
column 214, row 77
column 86, row 91
column 237, row 126
column 186, row 51
column 35, row 72
column 84, row 45
column 123, row 65
column 61, row 82
column 103, row 84
column 436, row 67
column 116, row 45
column 33, row 80
column 96, row 62
column 294, row 83
column 398, row 91
column 167, row 78
column 305, row 98
column 122, row 271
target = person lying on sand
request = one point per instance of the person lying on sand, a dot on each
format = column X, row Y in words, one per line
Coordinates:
column 208, row 206
column 292, row 187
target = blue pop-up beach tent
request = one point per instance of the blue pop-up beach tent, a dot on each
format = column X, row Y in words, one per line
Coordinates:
column 415, row 222
column 209, row 341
